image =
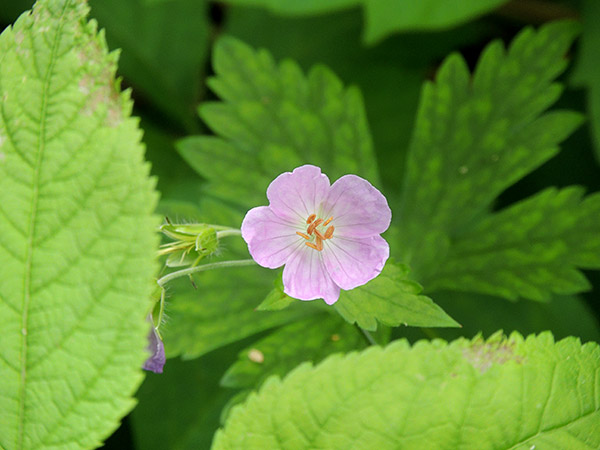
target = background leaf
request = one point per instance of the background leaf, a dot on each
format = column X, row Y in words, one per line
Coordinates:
column 385, row 18
column 475, row 138
column 273, row 118
column 164, row 49
column 311, row 339
column 77, row 236
column 391, row 299
column 587, row 73
column 219, row 312
column 528, row 250
column 466, row 394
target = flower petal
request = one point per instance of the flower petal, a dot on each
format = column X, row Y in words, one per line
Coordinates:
column 271, row 240
column 296, row 195
column 305, row 277
column 157, row 359
column 358, row 209
column 354, row 262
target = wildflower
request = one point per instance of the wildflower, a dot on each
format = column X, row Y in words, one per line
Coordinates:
column 157, row 359
column 327, row 236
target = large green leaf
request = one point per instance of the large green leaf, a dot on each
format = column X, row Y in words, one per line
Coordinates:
column 272, row 119
column 386, row 17
column 77, row 240
column 501, row 393
column 164, row 49
column 475, row 137
column 307, row 340
column 531, row 249
column 391, row 299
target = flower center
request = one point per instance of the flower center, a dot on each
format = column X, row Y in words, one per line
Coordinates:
column 317, row 231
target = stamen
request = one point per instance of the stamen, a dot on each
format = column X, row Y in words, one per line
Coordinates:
column 313, row 225
column 311, row 218
column 305, row 236
column 327, row 221
column 319, row 235
column 329, row 232
column 319, row 244
column 311, row 245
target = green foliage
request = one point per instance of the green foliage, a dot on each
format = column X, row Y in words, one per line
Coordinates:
column 530, row 249
column 385, row 18
column 164, row 47
column 500, row 393
column 77, row 234
column 220, row 312
column 588, row 71
column 474, row 138
column 274, row 118
column 391, row 299
column 180, row 408
column 307, row 340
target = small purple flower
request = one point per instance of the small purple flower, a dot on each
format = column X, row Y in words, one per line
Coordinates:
column 326, row 235
column 157, row 359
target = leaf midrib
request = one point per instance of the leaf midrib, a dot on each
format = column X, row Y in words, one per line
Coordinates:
column 31, row 228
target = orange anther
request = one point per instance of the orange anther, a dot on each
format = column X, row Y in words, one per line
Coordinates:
column 327, row 221
column 313, row 225
column 311, row 245
column 329, row 232
column 319, row 244
column 319, row 235
column 305, row 236
column 311, row 218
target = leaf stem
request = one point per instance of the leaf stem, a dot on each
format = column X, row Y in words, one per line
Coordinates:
column 218, row 265
column 368, row 337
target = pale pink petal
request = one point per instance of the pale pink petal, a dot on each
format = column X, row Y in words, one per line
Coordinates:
column 353, row 262
column 271, row 240
column 305, row 277
column 296, row 195
column 358, row 209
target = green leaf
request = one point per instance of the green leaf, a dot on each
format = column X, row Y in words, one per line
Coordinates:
column 78, row 241
column 391, row 299
column 219, row 312
column 272, row 119
column 474, row 138
column 501, row 393
column 587, row 72
column 384, row 18
column 531, row 249
column 308, row 340
column 164, row 49
column 277, row 299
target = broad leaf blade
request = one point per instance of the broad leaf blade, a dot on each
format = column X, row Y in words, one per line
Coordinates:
column 473, row 139
column 307, row 340
column 77, row 236
column 531, row 249
column 391, row 299
column 272, row 119
column 500, row 393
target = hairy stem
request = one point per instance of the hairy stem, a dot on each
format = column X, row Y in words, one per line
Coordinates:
column 218, row 265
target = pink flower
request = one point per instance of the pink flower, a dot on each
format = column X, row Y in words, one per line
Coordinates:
column 326, row 235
